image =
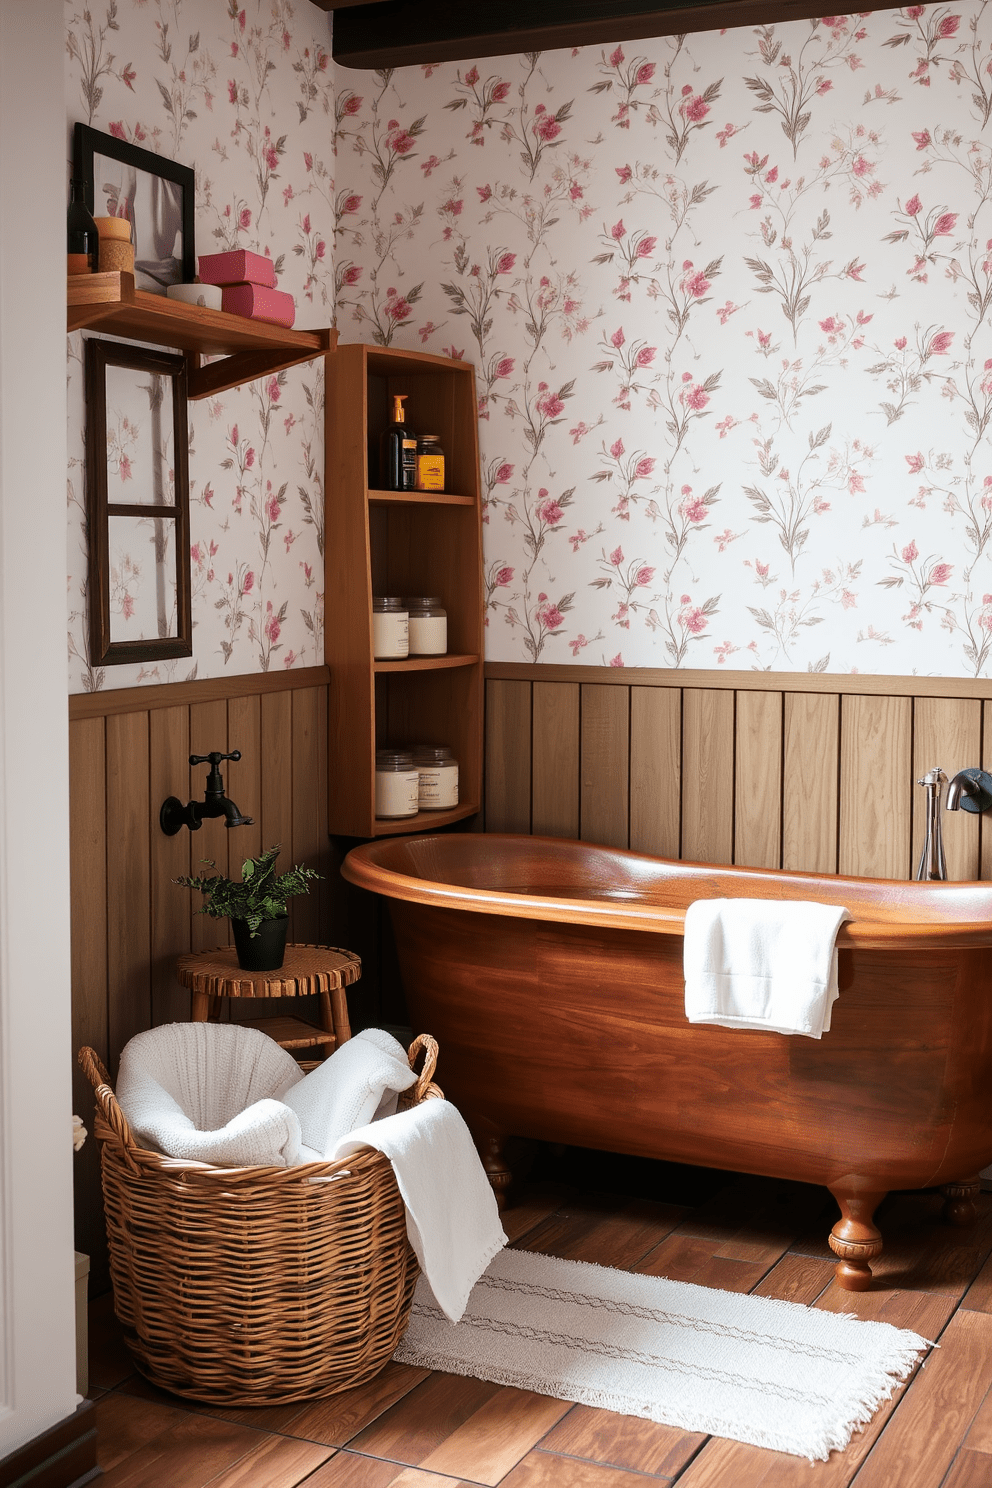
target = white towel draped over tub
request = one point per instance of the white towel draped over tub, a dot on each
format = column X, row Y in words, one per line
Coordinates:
column 762, row 963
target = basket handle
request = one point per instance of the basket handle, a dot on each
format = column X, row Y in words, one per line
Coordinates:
column 428, row 1046
column 96, row 1072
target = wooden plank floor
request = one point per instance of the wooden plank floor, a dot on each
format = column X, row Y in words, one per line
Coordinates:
column 410, row 1428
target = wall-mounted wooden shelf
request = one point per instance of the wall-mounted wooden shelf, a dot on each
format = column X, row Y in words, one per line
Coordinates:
column 400, row 542
column 425, row 663
column 418, row 498
column 250, row 348
column 424, row 821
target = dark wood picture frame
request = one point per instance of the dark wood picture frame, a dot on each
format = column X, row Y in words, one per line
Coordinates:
column 104, row 651
column 88, row 142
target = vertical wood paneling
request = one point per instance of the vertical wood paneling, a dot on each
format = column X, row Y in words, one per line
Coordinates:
column 604, row 802
column 168, row 765
column 88, row 878
column 809, row 797
column 758, row 780
column 555, row 770
column 128, row 841
column 876, row 786
column 276, row 754
column 655, row 770
column 947, row 732
column 243, row 777
column 707, row 775
column 508, row 755
column 208, row 732
column 985, row 828
column 308, row 826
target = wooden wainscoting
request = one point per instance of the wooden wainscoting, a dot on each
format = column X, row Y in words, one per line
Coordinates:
column 799, row 771
column 128, row 751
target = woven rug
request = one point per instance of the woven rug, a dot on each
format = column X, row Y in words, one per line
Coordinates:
column 775, row 1374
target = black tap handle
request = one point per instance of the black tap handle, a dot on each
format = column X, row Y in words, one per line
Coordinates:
column 213, row 759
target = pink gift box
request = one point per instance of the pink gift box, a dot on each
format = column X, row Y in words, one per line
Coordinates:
column 237, row 267
column 257, row 303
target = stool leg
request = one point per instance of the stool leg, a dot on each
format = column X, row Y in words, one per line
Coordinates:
column 201, row 1007
column 341, row 1025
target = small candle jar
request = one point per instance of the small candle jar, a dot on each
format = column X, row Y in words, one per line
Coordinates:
column 428, row 626
column 116, row 248
column 397, row 784
column 390, row 629
column 438, row 773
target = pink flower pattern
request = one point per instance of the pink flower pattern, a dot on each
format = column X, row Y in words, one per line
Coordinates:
column 713, row 472
column 729, row 299
column 248, row 97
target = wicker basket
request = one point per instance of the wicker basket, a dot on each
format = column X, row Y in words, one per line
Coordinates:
column 257, row 1285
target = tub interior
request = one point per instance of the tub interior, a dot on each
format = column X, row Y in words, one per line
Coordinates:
column 552, row 868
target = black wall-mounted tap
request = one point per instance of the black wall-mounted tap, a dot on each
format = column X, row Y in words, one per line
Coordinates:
column 174, row 815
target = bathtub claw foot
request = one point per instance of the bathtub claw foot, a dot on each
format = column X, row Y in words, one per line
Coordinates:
column 499, row 1175
column 959, row 1202
column 854, row 1239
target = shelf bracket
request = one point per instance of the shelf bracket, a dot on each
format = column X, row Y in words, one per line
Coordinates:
column 246, row 366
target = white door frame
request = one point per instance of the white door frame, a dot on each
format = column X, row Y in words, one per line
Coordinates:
column 37, row 1358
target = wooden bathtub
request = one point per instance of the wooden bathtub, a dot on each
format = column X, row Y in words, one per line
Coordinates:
column 551, row 974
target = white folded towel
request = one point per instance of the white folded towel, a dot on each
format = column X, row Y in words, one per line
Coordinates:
column 761, row 963
column 211, row 1092
column 359, row 1083
column 451, row 1214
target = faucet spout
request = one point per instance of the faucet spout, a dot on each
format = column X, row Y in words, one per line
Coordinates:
column 932, row 863
column 174, row 815
column 971, row 789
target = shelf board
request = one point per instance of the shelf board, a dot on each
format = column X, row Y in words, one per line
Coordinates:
column 424, row 663
column 250, row 348
column 424, row 821
column 418, row 498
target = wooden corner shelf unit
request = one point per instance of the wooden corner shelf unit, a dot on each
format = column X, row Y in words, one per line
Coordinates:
column 110, row 303
column 402, row 543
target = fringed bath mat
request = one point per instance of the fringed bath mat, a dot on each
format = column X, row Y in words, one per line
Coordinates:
column 775, row 1374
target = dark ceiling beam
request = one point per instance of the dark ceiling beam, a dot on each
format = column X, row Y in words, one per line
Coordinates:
column 395, row 33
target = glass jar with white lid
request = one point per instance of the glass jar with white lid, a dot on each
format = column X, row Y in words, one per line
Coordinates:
column 390, row 628
column 397, row 784
column 438, row 777
column 428, row 626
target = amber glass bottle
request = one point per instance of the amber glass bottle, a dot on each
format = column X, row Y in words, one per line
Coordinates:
column 398, row 452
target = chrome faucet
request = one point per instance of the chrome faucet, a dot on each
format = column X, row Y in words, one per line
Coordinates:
column 932, row 864
column 969, row 789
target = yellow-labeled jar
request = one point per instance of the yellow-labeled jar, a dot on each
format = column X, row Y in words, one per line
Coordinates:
column 430, row 463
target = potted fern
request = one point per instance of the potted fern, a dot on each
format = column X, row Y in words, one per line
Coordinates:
column 256, row 906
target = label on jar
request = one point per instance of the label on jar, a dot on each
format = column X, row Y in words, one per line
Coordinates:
column 438, row 787
column 390, row 635
column 428, row 635
column 408, row 465
column 430, row 472
column 397, row 793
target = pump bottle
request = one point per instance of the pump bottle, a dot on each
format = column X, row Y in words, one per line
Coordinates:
column 398, row 452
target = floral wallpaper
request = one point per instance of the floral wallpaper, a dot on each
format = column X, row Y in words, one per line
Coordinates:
column 243, row 92
column 728, row 297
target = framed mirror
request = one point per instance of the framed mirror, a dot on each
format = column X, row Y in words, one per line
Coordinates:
column 137, row 483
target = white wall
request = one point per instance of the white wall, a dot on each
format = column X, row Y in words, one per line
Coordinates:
column 37, row 1385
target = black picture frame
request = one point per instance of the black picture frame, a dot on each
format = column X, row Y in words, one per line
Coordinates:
column 104, row 650
column 89, row 145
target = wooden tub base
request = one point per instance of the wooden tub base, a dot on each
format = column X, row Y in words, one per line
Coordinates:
column 551, row 972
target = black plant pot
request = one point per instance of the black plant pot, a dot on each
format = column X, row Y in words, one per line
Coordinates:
column 267, row 950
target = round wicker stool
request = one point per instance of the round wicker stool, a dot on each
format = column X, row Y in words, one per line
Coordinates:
column 307, row 970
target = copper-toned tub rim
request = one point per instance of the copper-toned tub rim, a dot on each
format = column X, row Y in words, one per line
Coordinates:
column 906, row 926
